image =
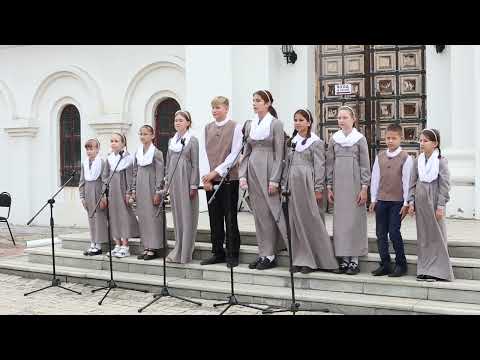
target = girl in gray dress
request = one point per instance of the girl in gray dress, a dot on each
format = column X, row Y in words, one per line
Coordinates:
column 261, row 172
column 146, row 188
column 123, row 223
column 312, row 248
column 348, row 177
column 90, row 188
column 184, row 182
column 429, row 193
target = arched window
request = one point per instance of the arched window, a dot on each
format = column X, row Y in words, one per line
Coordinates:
column 70, row 146
column 164, row 123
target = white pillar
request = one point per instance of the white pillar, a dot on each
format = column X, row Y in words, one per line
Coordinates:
column 208, row 73
column 476, row 124
column 458, row 130
column 20, row 178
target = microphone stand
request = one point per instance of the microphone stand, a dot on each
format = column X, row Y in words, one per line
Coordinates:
column 232, row 299
column 111, row 284
column 294, row 306
column 164, row 292
column 55, row 281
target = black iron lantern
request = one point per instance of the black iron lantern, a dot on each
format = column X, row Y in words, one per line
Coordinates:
column 439, row 48
column 289, row 54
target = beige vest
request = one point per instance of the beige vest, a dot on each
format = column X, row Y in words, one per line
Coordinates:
column 391, row 185
column 218, row 144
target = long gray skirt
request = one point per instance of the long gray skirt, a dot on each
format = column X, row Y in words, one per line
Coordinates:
column 151, row 228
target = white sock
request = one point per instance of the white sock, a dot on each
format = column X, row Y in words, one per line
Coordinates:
column 98, row 246
column 270, row 257
column 354, row 259
column 92, row 245
column 346, row 259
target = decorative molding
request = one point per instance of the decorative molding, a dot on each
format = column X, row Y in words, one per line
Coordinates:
column 172, row 62
column 110, row 127
column 22, row 131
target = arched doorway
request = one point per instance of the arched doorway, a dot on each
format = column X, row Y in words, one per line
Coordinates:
column 164, row 124
column 70, row 147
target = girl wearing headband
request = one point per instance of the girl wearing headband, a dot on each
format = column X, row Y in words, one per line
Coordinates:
column 428, row 196
column 184, row 179
column 148, row 170
column 306, row 182
column 348, row 177
column 90, row 188
column 260, row 172
column 123, row 223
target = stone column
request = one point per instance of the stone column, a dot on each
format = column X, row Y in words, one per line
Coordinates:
column 20, row 178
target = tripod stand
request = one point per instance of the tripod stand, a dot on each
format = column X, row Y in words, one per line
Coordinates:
column 55, row 282
column 165, row 291
column 232, row 299
column 294, row 306
column 111, row 284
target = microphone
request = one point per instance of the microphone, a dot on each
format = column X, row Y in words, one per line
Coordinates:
column 73, row 173
column 121, row 153
column 182, row 141
column 293, row 145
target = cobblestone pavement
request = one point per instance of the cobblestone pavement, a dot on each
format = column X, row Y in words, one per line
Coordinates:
column 57, row 301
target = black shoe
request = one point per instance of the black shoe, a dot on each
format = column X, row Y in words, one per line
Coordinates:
column 382, row 270
column 267, row 264
column 253, row 265
column 342, row 269
column 430, row 278
column 353, row 269
column 150, row 257
column 295, row 269
column 232, row 262
column 141, row 256
column 420, row 277
column 306, row 270
column 213, row 260
column 398, row 271
column 92, row 252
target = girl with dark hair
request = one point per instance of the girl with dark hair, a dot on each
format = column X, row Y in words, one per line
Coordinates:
column 261, row 172
column 123, row 222
column 183, row 187
column 148, row 170
column 306, row 181
column 429, row 193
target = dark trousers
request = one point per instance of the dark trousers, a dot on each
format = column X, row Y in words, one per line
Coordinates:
column 388, row 219
column 224, row 202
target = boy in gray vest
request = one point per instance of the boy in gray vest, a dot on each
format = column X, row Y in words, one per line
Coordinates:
column 223, row 141
column 389, row 191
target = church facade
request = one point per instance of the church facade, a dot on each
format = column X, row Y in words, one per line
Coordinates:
column 54, row 98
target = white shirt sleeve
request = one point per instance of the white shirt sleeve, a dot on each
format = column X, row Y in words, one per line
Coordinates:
column 375, row 181
column 203, row 158
column 407, row 167
column 236, row 147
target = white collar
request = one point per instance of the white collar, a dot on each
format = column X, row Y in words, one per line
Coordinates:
column 221, row 123
column 347, row 141
column 93, row 173
column 428, row 172
column 175, row 142
column 127, row 160
column 261, row 131
column 299, row 139
column 147, row 158
column 393, row 153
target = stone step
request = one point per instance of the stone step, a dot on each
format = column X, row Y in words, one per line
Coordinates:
column 456, row 248
column 463, row 268
column 336, row 302
column 463, row 291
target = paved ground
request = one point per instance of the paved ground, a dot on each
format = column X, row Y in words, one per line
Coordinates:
column 57, row 301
